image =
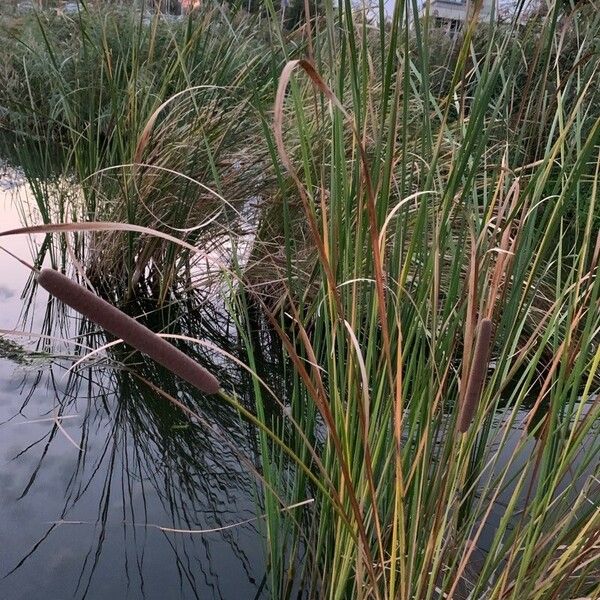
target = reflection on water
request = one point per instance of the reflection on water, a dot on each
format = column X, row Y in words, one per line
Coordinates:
column 140, row 465
column 95, row 462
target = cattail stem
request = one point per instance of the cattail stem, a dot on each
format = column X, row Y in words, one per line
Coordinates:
column 129, row 330
column 477, row 373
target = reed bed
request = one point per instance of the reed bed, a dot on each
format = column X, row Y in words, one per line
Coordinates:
column 432, row 281
column 439, row 200
column 146, row 120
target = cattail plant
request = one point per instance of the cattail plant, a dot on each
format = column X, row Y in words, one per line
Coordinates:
column 129, row 330
column 476, row 375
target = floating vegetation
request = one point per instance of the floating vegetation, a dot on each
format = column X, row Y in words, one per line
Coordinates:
column 14, row 352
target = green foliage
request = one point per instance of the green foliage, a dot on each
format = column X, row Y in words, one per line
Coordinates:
column 291, row 12
column 89, row 96
column 442, row 196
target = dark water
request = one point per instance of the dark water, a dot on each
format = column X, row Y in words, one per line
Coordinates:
column 81, row 504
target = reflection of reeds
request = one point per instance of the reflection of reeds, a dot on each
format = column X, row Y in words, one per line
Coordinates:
column 142, row 437
column 129, row 330
column 477, row 374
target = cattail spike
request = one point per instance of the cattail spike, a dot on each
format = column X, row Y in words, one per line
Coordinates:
column 129, row 330
column 477, row 373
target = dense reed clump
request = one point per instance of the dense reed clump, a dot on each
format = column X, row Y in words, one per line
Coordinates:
column 422, row 195
column 426, row 194
column 148, row 121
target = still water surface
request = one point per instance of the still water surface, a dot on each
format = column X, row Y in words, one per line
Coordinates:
column 81, row 503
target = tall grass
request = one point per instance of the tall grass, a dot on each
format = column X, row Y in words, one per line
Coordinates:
column 432, row 279
column 435, row 200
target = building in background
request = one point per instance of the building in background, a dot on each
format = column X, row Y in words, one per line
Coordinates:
column 453, row 13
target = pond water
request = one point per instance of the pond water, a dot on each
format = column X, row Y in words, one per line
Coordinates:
column 94, row 463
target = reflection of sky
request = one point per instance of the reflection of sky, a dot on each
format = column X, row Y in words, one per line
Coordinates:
column 13, row 275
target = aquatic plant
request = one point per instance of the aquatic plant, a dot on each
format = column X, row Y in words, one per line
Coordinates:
column 148, row 120
column 421, row 215
column 126, row 328
column 476, row 379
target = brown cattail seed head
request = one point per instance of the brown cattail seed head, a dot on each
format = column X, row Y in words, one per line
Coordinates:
column 129, row 330
column 477, row 374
